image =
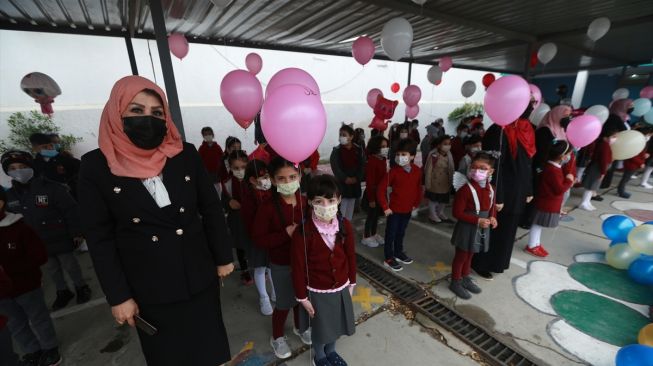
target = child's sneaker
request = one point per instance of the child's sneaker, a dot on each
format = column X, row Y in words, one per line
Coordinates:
column 443, row 216
column 30, row 359
column 625, row 195
column 457, row 288
column 280, row 347
column 370, row 242
column 470, row 286
column 435, row 220
column 393, row 265
column 646, row 185
column 538, row 251
column 50, row 357
column 63, row 298
column 403, row 258
column 587, row 207
column 83, row 294
column 305, row 337
column 321, row 362
column 266, row 307
column 336, row 360
column 379, row 239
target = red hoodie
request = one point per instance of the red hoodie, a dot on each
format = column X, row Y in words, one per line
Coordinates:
column 406, row 189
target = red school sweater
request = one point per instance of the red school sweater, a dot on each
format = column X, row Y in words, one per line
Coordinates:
column 464, row 207
column 327, row 269
column 552, row 187
column 211, row 157
column 251, row 199
column 375, row 170
column 270, row 233
column 602, row 156
column 636, row 162
column 406, row 189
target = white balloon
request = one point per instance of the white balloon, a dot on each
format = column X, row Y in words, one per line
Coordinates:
column 621, row 93
column 547, row 52
column 600, row 111
column 641, row 106
column 468, row 89
column 396, row 38
column 648, row 117
column 598, row 28
column 628, row 144
column 434, row 74
column 538, row 113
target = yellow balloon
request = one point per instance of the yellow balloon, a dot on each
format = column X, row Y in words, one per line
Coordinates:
column 640, row 239
column 645, row 336
column 620, row 256
column 628, row 144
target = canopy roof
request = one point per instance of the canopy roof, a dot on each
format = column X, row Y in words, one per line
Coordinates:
column 496, row 35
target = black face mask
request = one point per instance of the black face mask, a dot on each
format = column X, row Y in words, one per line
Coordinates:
column 630, row 110
column 564, row 122
column 146, row 132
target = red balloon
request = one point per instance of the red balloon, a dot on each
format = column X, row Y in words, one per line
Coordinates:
column 488, row 79
column 438, row 82
column 395, row 87
column 533, row 60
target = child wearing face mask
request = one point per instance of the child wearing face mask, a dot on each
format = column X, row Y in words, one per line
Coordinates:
column 598, row 167
column 375, row 170
column 438, row 178
column 473, row 144
column 475, row 209
column 457, row 147
column 232, row 196
column 348, row 166
column 275, row 223
column 552, row 185
column 212, row 155
column 254, row 194
column 405, row 180
column 400, row 133
column 634, row 164
column 230, row 144
column 324, row 271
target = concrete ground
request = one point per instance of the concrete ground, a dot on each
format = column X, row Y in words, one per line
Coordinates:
column 387, row 333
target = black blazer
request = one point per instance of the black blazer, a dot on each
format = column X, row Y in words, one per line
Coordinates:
column 154, row 255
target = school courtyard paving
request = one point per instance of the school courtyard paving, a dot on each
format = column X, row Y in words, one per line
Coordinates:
column 569, row 309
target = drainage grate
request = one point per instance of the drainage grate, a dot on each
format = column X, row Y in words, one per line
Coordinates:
column 492, row 349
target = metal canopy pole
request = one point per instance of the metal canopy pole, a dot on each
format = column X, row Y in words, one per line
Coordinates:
column 166, row 64
column 410, row 71
column 130, row 52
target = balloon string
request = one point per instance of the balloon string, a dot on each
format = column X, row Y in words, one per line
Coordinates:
column 308, row 283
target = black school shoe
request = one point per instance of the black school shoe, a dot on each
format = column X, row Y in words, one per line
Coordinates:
column 336, row 360
column 30, row 359
column 485, row 275
column 83, row 294
column 393, row 265
column 63, row 298
column 597, row 198
column 51, row 357
column 321, row 362
column 403, row 258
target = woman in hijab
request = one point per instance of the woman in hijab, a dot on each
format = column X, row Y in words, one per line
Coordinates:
column 620, row 111
column 155, row 229
column 514, row 188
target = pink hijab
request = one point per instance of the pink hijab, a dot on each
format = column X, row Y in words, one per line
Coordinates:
column 552, row 120
column 620, row 108
column 123, row 157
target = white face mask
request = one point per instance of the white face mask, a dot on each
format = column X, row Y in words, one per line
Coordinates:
column 208, row 138
column 326, row 213
column 403, row 135
column 22, row 175
column 288, row 189
column 384, row 152
column 445, row 148
column 264, row 184
column 402, row 160
column 344, row 140
column 475, row 149
column 238, row 173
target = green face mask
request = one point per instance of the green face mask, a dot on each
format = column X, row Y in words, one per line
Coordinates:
column 288, row 189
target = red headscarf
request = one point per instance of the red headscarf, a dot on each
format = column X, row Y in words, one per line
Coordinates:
column 520, row 132
column 123, row 157
column 552, row 121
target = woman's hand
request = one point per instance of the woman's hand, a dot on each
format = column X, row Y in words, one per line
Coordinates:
column 387, row 212
column 529, row 199
column 308, row 307
column 493, row 222
column 125, row 312
column 499, row 207
column 570, row 177
column 234, row 204
column 224, row 271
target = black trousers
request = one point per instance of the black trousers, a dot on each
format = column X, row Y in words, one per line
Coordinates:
column 624, row 180
column 607, row 180
column 371, row 221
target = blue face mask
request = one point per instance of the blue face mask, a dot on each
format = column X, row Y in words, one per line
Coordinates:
column 49, row 153
column 57, row 147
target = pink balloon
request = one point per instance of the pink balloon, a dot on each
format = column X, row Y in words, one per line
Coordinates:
column 412, row 95
column 506, row 99
column 363, row 50
column 372, row 95
column 178, row 45
column 293, row 120
column 646, row 92
column 412, row 111
column 242, row 95
column 254, row 63
column 291, row 75
column 445, row 63
column 537, row 94
column 583, row 130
